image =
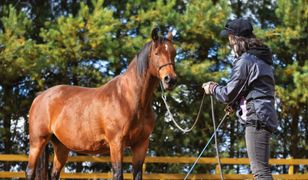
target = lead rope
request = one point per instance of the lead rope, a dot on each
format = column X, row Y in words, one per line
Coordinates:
column 187, row 130
column 163, row 96
column 192, row 167
column 216, row 141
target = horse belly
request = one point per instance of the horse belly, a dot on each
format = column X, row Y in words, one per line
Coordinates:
column 81, row 143
column 99, row 144
column 80, row 136
column 101, row 147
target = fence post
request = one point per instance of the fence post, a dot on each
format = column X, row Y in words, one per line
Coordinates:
column 291, row 167
column 62, row 172
column 217, row 169
column 143, row 168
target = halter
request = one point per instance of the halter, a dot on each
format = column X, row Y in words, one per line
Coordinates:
column 164, row 65
column 167, row 64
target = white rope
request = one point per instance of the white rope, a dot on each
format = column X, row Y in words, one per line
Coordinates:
column 187, row 130
column 207, row 144
column 216, row 141
column 163, row 96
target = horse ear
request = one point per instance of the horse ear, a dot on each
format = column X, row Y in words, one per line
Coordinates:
column 154, row 34
column 169, row 36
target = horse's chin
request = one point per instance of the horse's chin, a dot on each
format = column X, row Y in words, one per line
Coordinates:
column 168, row 87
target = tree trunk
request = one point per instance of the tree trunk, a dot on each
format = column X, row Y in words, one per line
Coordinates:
column 294, row 151
column 239, row 9
column 6, row 112
column 74, row 7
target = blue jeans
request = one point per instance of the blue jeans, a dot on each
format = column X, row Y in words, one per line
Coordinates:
column 258, row 149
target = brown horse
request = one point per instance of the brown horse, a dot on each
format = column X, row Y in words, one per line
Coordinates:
column 105, row 119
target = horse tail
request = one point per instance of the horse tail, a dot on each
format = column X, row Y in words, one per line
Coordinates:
column 42, row 171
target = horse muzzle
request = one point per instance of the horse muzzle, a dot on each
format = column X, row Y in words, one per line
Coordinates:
column 169, row 82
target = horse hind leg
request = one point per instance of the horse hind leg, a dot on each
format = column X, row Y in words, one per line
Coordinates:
column 60, row 157
column 36, row 146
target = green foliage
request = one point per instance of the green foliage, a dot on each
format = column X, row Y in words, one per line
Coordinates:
column 289, row 39
column 71, row 41
column 200, row 25
column 295, row 93
column 17, row 52
column 192, row 72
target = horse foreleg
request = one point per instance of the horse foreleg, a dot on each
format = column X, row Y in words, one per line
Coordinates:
column 60, row 158
column 36, row 146
column 116, row 155
column 139, row 153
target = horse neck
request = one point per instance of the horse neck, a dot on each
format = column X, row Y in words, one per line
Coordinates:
column 142, row 86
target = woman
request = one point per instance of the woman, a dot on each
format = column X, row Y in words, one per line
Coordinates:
column 251, row 88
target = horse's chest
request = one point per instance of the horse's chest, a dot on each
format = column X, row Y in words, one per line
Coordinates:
column 137, row 130
column 136, row 134
column 140, row 131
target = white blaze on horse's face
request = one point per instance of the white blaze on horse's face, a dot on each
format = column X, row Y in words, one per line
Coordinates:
column 166, row 70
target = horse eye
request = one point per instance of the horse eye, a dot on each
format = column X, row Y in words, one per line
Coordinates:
column 156, row 54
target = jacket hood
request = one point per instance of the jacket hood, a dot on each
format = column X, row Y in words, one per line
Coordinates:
column 263, row 53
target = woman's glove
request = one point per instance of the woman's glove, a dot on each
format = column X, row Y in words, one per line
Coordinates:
column 209, row 87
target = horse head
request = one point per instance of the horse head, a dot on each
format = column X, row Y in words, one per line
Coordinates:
column 158, row 58
column 161, row 59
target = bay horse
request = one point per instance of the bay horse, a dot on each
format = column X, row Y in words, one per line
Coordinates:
column 105, row 119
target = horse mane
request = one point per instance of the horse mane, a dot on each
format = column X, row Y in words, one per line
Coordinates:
column 143, row 56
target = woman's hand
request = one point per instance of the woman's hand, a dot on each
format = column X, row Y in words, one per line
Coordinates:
column 209, row 87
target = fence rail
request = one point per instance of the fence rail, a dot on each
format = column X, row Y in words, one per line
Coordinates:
column 169, row 160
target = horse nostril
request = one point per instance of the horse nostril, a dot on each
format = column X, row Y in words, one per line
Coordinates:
column 167, row 79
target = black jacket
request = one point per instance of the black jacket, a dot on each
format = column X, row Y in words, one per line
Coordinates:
column 252, row 78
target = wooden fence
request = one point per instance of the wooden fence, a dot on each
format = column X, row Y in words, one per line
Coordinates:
column 173, row 160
